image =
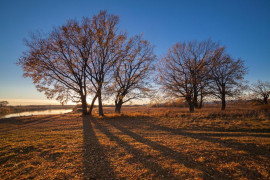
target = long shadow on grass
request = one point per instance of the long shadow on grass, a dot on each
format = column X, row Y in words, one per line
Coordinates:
column 138, row 155
column 251, row 148
column 19, row 121
column 22, row 124
column 208, row 171
column 228, row 133
column 237, row 131
column 96, row 164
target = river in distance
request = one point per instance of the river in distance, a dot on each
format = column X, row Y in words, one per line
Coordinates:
column 42, row 112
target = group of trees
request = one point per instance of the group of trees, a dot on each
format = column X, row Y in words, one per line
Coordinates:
column 92, row 58
column 196, row 70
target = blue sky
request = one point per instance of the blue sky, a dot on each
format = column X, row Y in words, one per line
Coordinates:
column 243, row 26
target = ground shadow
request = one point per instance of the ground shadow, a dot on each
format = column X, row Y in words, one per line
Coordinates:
column 96, row 164
column 138, row 155
column 251, row 148
column 125, row 124
column 215, row 129
column 208, row 171
column 17, row 123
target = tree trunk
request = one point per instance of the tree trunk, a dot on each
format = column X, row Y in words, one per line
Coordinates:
column 223, row 98
column 100, row 107
column 118, row 106
column 265, row 100
column 191, row 107
column 201, row 101
column 201, row 104
column 84, row 104
column 195, row 97
column 92, row 105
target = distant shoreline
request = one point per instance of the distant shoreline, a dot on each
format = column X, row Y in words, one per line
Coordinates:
column 16, row 109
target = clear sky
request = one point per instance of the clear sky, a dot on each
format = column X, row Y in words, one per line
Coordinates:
column 243, row 26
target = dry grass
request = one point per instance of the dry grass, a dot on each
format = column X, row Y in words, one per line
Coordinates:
column 145, row 143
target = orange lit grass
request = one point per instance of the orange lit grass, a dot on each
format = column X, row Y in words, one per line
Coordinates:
column 150, row 143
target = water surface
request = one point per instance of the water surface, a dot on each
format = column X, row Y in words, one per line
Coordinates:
column 42, row 112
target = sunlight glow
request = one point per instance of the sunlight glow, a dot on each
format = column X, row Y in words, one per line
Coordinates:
column 23, row 102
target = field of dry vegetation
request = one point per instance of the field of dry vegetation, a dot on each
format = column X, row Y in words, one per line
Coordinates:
column 145, row 143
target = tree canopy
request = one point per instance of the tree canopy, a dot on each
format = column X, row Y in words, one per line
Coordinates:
column 82, row 59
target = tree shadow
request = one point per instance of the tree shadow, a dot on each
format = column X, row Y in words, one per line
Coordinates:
column 213, row 133
column 96, row 164
column 138, row 155
column 251, row 148
column 208, row 171
column 215, row 129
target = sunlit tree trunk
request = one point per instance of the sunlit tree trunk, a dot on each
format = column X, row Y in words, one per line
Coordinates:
column 100, row 107
column 92, row 105
column 84, row 104
column 201, row 102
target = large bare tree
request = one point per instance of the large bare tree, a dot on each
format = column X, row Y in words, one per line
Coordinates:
column 227, row 75
column 106, row 52
column 261, row 91
column 56, row 62
column 76, row 60
column 132, row 71
column 184, row 71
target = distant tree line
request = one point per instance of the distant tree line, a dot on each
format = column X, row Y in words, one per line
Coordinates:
column 3, row 103
column 92, row 58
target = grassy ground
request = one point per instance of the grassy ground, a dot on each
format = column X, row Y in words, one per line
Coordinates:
column 147, row 143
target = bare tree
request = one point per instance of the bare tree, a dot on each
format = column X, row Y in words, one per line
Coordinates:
column 184, row 71
column 75, row 60
column 132, row 72
column 57, row 62
column 227, row 75
column 199, row 54
column 107, row 50
column 261, row 91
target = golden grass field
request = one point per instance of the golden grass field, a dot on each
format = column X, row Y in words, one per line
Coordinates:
column 141, row 143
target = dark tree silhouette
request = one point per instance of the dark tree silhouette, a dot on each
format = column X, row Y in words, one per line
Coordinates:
column 227, row 75
column 106, row 51
column 77, row 60
column 57, row 62
column 184, row 71
column 131, row 73
column 261, row 91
